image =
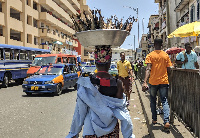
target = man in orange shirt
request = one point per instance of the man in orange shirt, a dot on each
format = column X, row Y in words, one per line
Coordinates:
column 158, row 65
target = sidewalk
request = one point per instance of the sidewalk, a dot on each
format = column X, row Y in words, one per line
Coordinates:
column 177, row 130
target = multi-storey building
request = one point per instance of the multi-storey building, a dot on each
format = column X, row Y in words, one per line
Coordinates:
column 187, row 11
column 153, row 33
column 40, row 23
column 144, row 46
column 116, row 54
column 162, row 21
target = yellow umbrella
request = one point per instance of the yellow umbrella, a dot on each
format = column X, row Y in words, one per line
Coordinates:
column 190, row 29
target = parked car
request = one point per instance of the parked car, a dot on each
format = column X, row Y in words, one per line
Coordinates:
column 113, row 71
column 51, row 79
column 87, row 70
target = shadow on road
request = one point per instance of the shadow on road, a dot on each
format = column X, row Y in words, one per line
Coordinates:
column 11, row 84
column 48, row 94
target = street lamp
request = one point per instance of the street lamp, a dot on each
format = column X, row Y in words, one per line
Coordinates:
column 136, row 10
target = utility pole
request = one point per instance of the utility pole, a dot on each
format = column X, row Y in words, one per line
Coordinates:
column 168, row 25
column 143, row 25
column 134, row 48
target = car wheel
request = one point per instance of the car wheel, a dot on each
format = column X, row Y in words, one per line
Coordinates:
column 19, row 81
column 5, row 82
column 58, row 90
column 75, row 87
column 28, row 93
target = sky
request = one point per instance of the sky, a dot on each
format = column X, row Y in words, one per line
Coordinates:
column 115, row 7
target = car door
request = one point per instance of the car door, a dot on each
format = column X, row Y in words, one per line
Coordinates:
column 74, row 75
column 66, row 77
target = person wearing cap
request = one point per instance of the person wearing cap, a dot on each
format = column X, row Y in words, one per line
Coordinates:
column 124, row 69
column 187, row 59
column 100, row 103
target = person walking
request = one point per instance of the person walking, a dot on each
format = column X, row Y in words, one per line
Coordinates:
column 135, row 69
column 100, row 103
column 158, row 65
column 124, row 69
column 187, row 59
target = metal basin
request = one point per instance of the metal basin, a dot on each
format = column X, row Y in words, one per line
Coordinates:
column 91, row 38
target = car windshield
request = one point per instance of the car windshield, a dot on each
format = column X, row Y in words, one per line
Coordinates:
column 49, row 70
column 89, row 68
column 39, row 61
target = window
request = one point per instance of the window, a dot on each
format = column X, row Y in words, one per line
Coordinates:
column 192, row 13
column 34, row 5
column 65, row 60
column 30, row 55
column 0, row 7
column 1, row 54
column 59, row 60
column 14, row 14
column 15, row 35
column 35, row 40
column 8, row 54
column 72, row 68
column 35, row 23
column 23, row 55
column 29, row 38
column 29, row 20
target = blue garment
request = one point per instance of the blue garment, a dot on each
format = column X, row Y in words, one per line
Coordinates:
column 163, row 90
column 192, row 58
column 98, row 113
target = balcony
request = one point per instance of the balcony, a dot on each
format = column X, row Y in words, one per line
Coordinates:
column 33, row 30
column 55, row 22
column 68, row 5
column 32, row 45
column 55, row 9
column 181, row 5
column 75, row 4
column 32, row 12
column 44, row 33
column 2, row 40
column 75, row 43
column 15, row 42
column 16, row 4
column 2, row 21
column 16, row 24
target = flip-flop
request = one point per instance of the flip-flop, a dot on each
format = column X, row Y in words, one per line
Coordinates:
column 154, row 122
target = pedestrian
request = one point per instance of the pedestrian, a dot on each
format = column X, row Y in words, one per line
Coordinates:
column 136, row 69
column 143, row 62
column 158, row 65
column 124, row 70
column 187, row 59
column 100, row 103
column 79, row 69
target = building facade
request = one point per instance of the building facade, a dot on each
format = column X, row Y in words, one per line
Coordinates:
column 44, row 24
column 153, row 33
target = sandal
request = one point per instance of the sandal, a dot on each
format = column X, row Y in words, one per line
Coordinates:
column 154, row 122
column 167, row 125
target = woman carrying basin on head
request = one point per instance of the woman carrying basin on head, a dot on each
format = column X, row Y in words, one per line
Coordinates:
column 101, row 103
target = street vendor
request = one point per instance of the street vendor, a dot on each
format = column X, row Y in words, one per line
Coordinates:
column 101, row 103
column 187, row 59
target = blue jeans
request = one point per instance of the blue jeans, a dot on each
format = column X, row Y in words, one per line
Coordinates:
column 163, row 90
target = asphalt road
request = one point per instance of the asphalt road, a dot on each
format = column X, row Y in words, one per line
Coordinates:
column 36, row 116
